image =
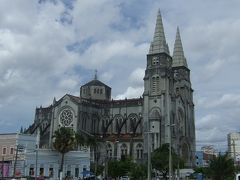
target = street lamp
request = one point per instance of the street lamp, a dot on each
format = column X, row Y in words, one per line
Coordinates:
column 148, row 155
column 170, row 153
column 36, row 161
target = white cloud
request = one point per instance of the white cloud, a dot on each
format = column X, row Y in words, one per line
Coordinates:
column 114, row 37
column 106, row 76
column 136, row 77
column 131, row 93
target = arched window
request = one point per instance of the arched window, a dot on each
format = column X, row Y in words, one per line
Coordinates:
column 139, row 150
column 123, row 149
column 109, row 151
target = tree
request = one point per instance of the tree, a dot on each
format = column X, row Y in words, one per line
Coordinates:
column 85, row 138
column 120, row 168
column 221, row 167
column 138, row 171
column 113, row 169
column 64, row 142
column 160, row 160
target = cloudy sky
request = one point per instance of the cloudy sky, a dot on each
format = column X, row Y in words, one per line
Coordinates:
column 51, row 47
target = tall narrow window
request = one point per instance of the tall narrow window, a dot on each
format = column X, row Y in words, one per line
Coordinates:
column 109, row 150
column 76, row 172
column 50, row 172
column 153, row 85
column 123, row 149
column 4, row 150
column 31, row 171
column 139, row 150
column 11, row 150
column 157, row 84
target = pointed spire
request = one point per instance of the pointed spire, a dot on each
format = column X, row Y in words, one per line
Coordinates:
column 95, row 76
column 54, row 101
column 178, row 54
column 159, row 45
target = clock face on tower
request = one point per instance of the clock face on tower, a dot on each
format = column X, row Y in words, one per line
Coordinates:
column 66, row 117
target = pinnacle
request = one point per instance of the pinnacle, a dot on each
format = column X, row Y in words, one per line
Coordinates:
column 159, row 45
column 178, row 53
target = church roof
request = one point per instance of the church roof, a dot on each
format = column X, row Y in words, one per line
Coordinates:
column 178, row 54
column 96, row 82
column 159, row 45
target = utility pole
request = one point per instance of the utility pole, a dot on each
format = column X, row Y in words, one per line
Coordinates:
column 36, row 162
column 15, row 162
column 170, row 154
column 149, row 155
column 37, row 146
column 234, row 151
column 2, row 166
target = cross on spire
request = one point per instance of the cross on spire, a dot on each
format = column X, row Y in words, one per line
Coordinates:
column 95, row 75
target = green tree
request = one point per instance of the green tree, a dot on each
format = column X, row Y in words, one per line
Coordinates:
column 160, row 160
column 221, row 167
column 85, row 138
column 138, row 171
column 64, row 141
column 113, row 168
column 120, row 168
column 96, row 168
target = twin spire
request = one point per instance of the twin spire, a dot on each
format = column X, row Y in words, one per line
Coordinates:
column 178, row 54
column 159, row 45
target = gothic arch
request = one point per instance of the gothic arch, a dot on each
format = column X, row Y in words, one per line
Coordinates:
column 105, row 124
column 181, row 121
column 85, row 121
column 155, row 113
column 119, row 122
column 95, row 124
column 139, row 151
column 123, row 149
column 185, row 152
column 109, row 150
column 132, row 122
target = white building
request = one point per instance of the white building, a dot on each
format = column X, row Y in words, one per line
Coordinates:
column 46, row 161
column 234, row 146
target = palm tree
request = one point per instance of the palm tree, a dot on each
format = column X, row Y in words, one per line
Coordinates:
column 221, row 167
column 64, row 142
column 85, row 138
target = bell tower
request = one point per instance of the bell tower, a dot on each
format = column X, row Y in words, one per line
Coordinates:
column 184, row 108
column 158, row 87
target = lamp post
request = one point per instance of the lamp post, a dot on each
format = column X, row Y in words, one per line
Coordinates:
column 170, row 152
column 36, row 161
column 149, row 157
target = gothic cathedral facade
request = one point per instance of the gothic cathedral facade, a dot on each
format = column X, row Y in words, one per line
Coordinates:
column 165, row 111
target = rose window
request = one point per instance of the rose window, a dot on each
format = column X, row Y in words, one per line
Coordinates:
column 66, row 117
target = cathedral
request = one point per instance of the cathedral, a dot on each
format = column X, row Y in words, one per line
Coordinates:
column 129, row 127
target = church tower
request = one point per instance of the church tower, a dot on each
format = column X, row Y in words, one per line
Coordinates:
column 168, row 108
column 184, row 107
column 158, row 89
